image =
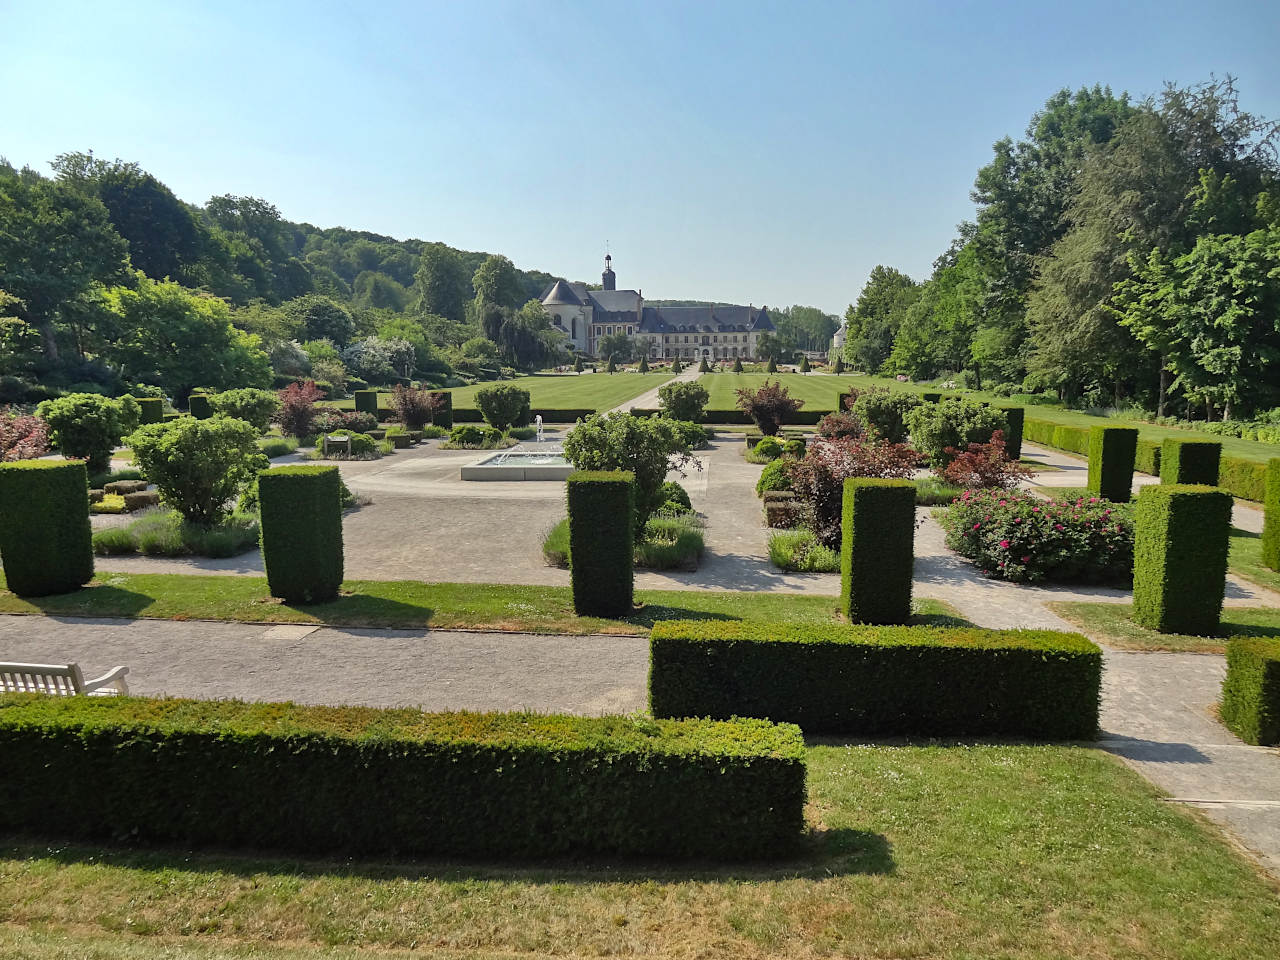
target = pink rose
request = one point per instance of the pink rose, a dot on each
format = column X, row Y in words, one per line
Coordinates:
column 1004, row 544
column 1026, row 559
column 976, row 526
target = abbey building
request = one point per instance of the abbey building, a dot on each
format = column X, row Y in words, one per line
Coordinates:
column 719, row 332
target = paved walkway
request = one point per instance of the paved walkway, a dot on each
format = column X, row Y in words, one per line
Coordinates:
column 650, row 400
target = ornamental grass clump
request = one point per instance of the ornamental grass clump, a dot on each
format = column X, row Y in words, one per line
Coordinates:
column 1024, row 539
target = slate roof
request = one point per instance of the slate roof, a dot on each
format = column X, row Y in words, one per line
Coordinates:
column 722, row 318
column 615, row 301
column 562, row 293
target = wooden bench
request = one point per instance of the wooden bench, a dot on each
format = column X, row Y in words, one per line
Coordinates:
column 60, row 680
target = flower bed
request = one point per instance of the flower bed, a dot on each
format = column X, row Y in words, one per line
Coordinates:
column 1024, row 539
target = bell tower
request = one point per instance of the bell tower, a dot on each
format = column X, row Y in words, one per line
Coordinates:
column 608, row 278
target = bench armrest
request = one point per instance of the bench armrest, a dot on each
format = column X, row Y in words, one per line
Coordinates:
column 110, row 683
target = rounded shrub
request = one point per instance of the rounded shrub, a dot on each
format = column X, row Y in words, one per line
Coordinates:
column 255, row 407
column 795, row 447
column 884, row 412
column 672, row 492
column 769, row 447
column 503, row 405
column 87, row 426
column 466, row 435
column 950, row 423
column 774, row 476
column 301, row 508
column 683, row 400
column 46, row 541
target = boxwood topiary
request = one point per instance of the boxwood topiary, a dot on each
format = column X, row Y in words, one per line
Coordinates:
column 1016, row 418
column 768, row 447
column 672, row 492
column 199, row 406
column 301, row 524
column 1181, row 538
column 877, row 550
column 601, row 541
column 1251, row 690
column 1190, row 461
column 1271, row 516
column 150, row 409
column 774, row 476
column 367, row 401
column 46, row 541
column 1112, row 451
column 879, row 680
column 366, row 781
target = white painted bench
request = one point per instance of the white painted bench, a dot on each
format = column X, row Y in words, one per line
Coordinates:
column 60, row 680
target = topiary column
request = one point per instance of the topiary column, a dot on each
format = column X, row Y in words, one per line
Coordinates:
column 1190, row 461
column 1271, row 516
column 1112, row 451
column 1250, row 705
column 931, row 397
column 443, row 417
column 150, row 409
column 366, row 401
column 199, row 406
column 1015, row 417
column 601, row 544
column 877, row 552
column 46, row 541
column 302, row 532
column 1181, row 536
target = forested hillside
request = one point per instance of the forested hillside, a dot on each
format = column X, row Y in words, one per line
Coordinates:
column 1121, row 252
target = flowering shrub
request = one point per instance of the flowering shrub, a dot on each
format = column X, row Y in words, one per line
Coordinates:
column 819, row 478
column 22, row 436
column 983, row 465
column 329, row 420
column 298, row 408
column 1024, row 539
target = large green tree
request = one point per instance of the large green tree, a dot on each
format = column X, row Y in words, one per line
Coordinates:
column 442, row 283
column 496, row 282
column 871, row 323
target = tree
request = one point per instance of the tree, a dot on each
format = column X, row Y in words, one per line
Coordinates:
column 807, row 327
column 200, row 467
column 442, row 283
column 872, row 322
column 182, row 339
column 769, row 406
column 415, row 408
column 19, row 341
column 936, row 332
column 320, row 318
column 616, row 346
column 408, row 330
column 56, row 245
column 528, row 340
column 379, row 291
column 774, row 349
column 496, row 282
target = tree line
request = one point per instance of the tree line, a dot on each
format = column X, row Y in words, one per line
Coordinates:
column 1121, row 252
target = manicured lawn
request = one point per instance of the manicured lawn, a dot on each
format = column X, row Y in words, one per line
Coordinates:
column 412, row 604
column 1111, row 624
column 970, row 851
column 1245, row 559
column 818, row 391
column 598, row 391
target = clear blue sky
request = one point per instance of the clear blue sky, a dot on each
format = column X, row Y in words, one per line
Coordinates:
column 742, row 152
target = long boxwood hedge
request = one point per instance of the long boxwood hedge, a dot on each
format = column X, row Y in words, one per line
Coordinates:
column 374, row 781
column 735, row 416
column 549, row 414
column 883, row 681
column 1251, row 690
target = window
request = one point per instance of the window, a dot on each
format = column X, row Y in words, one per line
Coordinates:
column 628, row 331
column 573, row 322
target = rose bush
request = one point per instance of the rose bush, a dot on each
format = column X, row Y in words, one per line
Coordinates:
column 1024, row 539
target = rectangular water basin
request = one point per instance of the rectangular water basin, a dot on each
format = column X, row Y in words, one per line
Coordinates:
column 520, row 465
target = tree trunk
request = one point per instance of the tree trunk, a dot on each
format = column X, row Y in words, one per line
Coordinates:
column 50, row 342
column 1163, row 398
column 1228, row 409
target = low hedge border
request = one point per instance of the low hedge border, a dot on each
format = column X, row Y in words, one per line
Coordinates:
column 363, row 780
column 1251, row 690
column 736, row 417
column 549, row 415
column 882, row 681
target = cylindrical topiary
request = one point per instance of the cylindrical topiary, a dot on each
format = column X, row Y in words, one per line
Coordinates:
column 46, row 541
column 930, row 397
column 1271, row 516
column 150, row 409
column 601, row 510
column 367, row 401
column 1181, row 537
column 1190, row 461
column 1015, row 416
column 301, row 508
column 1112, row 452
column 199, row 406
column 877, row 552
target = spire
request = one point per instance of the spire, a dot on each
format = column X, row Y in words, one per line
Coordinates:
column 608, row 279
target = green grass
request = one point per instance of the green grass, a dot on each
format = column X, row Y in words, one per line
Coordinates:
column 818, row 391
column 967, row 851
column 1245, row 560
column 1111, row 624
column 599, row 391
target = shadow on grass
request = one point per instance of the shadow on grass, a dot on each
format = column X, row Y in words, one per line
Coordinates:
column 652, row 613
column 94, row 600
column 363, row 610
column 824, row 852
column 1244, row 534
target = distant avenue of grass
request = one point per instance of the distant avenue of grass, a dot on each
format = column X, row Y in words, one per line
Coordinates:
column 598, row 391
column 818, row 390
column 1111, row 623
column 1024, row 852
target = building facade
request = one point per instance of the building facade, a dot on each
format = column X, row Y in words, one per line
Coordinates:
column 717, row 332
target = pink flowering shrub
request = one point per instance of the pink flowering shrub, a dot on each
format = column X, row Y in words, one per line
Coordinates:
column 819, row 478
column 1022, row 538
column 22, row 436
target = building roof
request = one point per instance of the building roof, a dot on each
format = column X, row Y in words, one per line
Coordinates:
column 615, row 301
column 721, row 318
column 562, row 293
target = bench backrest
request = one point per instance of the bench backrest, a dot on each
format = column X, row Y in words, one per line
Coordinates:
column 63, row 680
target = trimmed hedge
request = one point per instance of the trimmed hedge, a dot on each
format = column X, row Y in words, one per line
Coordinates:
column 549, row 414
column 46, row 540
column 150, row 409
column 1246, row 479
column 930, row 397
column 1181, row 537
column 1112, row 451
column 360, row 780
column 199, row 407
column 877, row 551
column 601, row 541
column 366, row 401
column 1016, row 419
column 1251, row 690
column 880, row 681
column 301, row 536
column 444, row 416
column 1190, row 461
column 1271, row 516
column 1147, row 456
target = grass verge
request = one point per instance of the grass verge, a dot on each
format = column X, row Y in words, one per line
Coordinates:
column 1020, row 852
column 414, row 605
column 1111, row 623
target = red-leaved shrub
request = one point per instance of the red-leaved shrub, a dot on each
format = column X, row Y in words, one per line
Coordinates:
column 415, row 408
column 769, row 406
column 819, row 478
column 298, row 408
column 838, row 425
column 22, row 436
column 983, row 465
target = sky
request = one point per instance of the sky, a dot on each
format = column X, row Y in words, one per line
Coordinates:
column 744, row 152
